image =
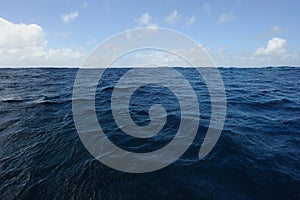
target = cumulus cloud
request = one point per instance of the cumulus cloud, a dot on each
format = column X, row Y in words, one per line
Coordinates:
column 274, row 46
column 206, row 7
column 274, row 53
column 67, row 18
column 25, row 45
column 173, row 17
column 225, row 17
column 190, row 20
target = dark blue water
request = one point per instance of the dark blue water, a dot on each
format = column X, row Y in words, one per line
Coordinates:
column 256, row 157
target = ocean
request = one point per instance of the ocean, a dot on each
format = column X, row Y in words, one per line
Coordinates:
column 256, row 157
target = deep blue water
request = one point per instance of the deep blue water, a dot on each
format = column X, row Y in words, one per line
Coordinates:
column 256, row 157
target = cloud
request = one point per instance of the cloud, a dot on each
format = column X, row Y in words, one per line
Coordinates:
column 93, row 41
column 190, row 20
column 271, row 32
column 274, row 53
column 156, row 58
column 63, row 57
column 69, row 17
column 225, row 17
column 230, row 58
column 206, row 7
column 145, row 21
column 25, row 45
column 173, row 17
column 276, row 29
column 274, row 46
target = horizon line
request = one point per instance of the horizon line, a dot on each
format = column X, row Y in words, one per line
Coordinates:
column 79, row 67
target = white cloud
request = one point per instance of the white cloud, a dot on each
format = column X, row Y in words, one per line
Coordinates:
column 206, row 7
column 20, row 35
column 152, row 25
column 145, row 20
column 276, row 29
column 273, row 54
column 151, row 58
column 225, row 17
column 158, row 58
column 63, row 57
column 25, row 45
column 274, row 46
column 173, row 17
column 69, row 17
column 190, row 20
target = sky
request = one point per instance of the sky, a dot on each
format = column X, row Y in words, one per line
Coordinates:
column 234, row 32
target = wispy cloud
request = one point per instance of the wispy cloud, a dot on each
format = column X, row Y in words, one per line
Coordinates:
column 206, row 7
column 145, row 20
column 67, row 18
column 92, row 41
column 225, row 17
column 190, row 20
column 173, row 17
column 276, row 29
column 64, row 34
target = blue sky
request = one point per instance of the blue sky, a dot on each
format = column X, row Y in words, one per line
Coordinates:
column 235, row 33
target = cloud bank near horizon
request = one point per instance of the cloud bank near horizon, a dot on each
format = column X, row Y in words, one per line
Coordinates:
column 25, row 45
